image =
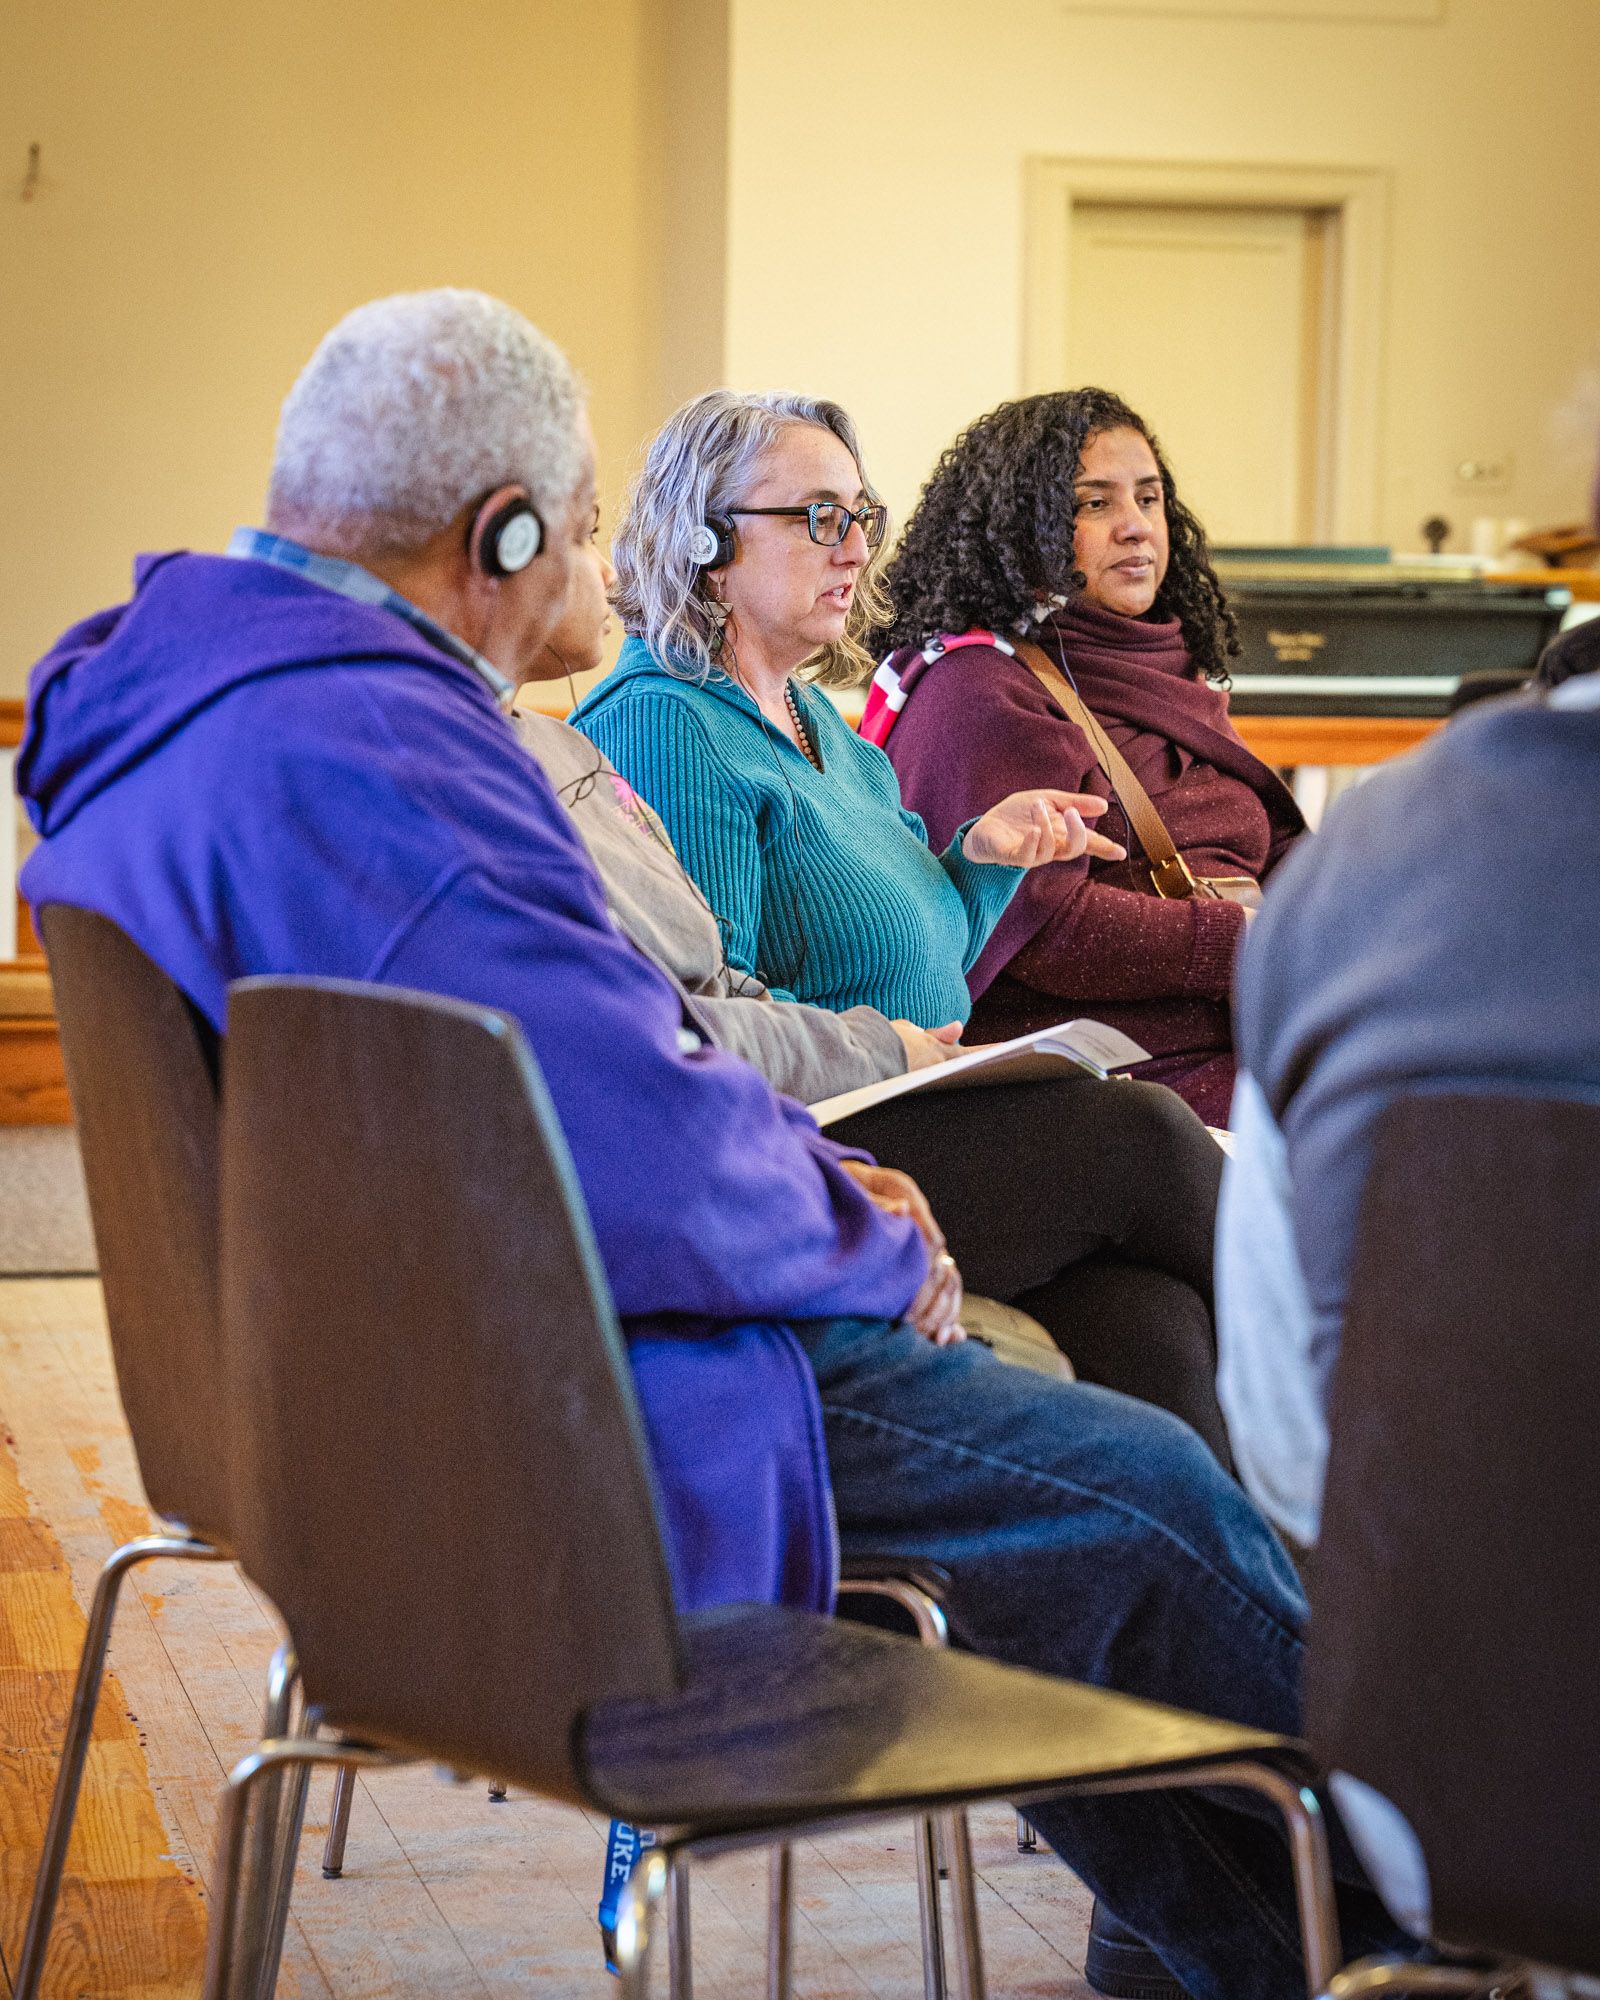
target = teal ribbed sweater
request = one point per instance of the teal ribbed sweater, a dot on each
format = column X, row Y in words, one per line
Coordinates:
column 823, row 880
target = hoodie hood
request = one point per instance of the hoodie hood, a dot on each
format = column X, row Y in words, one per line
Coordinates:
column 116, row 686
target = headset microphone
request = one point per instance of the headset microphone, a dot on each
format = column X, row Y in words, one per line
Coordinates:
column 1078, row 580
column 711, row 542
column 508, row 539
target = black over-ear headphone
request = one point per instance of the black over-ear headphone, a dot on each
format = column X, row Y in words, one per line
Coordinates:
column 507, row 539
column 711, row 542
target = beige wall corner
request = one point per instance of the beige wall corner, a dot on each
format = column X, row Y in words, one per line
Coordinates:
column 686, row 197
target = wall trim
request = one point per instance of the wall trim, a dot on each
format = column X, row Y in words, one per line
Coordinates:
column 1368, row 11
column 1359, row 199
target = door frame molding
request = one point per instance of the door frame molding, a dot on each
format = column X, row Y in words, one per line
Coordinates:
column 1358, row 199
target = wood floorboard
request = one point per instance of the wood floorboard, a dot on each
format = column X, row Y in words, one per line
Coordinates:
column 130, row 1914
column 445, row 1895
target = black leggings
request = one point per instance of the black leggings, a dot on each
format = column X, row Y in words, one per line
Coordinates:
column 1092, row 1207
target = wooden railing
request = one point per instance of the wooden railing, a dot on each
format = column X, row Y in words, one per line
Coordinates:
column 1292, row 741
column 33, row 1090
column 33, row 1086
column 13, row 926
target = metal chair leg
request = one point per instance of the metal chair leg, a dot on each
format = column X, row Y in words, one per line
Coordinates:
column 926, row 1834
column 644, row 1889
column 780, row 1922
column 344, row 1788
column 1027, row 1839
column 1313, row 1869
column 265, row 1866
column 1308, row 1850
column 933, row 1629
column 228, row 1968
column 680, row 1948
column 275, row 1921
column 282, row 1678
column 964, row 1906
column 75, row 1744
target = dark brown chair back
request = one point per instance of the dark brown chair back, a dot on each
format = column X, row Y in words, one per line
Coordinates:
column 141, row 1068
column 1456, row 1589
column 443, row 1481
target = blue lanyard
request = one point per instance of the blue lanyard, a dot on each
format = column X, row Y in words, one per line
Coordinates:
column 624, row 1845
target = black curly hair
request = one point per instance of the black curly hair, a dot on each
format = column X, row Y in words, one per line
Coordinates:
column 992, row 533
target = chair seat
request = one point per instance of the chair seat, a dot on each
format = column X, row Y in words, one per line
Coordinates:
column 788, row 1717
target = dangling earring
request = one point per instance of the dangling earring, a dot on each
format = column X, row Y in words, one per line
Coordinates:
column 717, row 612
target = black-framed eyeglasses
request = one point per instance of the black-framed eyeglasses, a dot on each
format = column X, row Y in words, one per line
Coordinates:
column 829, row 521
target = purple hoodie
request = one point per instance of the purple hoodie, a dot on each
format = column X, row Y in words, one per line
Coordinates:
column 252, row 774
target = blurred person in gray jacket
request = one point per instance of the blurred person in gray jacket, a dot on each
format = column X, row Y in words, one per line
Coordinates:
column 1440, row 933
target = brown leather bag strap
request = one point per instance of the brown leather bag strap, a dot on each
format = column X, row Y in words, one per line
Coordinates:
column 1170, row 874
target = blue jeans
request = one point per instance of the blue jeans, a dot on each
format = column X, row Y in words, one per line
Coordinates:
column 1095, row 1537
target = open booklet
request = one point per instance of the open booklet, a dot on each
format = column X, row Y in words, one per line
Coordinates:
column 1089, row 1046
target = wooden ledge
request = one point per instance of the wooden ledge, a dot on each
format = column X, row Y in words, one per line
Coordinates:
column 25, row 991
column 1583, row 583
column 1284, row 740
column 33, row 1084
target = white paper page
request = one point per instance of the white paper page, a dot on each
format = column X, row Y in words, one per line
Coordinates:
column 1091, row 1044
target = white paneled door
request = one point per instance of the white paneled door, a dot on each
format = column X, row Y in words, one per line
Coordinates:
column 1216, row 324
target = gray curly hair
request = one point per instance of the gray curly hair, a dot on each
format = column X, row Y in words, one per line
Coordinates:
column 700, row 463
column 412, row 408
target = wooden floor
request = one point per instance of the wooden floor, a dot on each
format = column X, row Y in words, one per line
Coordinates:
column 445, row 1893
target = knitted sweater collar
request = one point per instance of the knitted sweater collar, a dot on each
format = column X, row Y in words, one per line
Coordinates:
column 1138, row 671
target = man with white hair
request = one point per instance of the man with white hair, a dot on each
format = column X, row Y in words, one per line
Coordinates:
column 441, row 442
column 295, row 759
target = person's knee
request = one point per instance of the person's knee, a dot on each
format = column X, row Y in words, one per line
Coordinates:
column 1088, row 1433
column 1163, row 1120
column 1129, row 1325
column 990, row 1461
column 1181, row 1485
column 1180, row 1340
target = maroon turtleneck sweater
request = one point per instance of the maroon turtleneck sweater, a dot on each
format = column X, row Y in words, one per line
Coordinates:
column 1091, row 937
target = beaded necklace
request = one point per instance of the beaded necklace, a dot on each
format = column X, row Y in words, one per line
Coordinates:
column 800, row 730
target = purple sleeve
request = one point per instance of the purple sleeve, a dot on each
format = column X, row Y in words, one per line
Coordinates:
column 710, row 1196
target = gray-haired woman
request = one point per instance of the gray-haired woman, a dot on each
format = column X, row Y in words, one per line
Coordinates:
column 746, row 553
column 747, row 543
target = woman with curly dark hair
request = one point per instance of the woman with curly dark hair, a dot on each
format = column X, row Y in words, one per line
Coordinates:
column 1054, row 522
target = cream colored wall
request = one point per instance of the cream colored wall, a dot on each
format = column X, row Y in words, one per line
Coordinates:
column 876, row 253
column 221, row 181
column 683, row 191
